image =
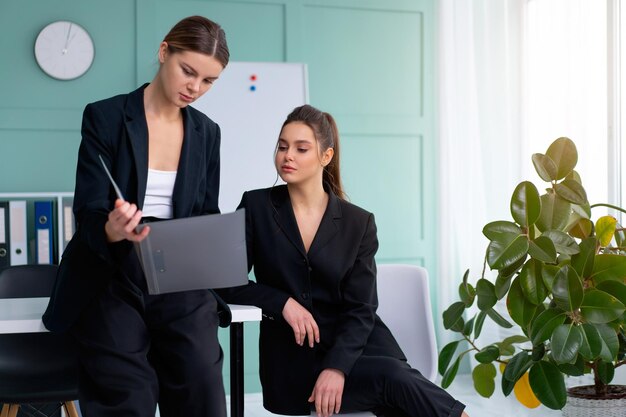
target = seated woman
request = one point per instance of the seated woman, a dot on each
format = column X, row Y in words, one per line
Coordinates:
column 322, row 345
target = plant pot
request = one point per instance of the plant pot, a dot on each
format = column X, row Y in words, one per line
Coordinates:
column 583, row 402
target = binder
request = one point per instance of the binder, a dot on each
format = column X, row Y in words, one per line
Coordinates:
column 44, row 248
column 69, row 223
column 4, row 234
column 195, row 253
column 18, row 232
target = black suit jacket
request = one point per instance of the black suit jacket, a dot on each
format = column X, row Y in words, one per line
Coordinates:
column 116, row 129
column 335, row 280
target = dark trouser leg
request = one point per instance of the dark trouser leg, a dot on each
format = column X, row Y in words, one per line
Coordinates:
column 391, row 388
column 186, row 354
column 115, row 377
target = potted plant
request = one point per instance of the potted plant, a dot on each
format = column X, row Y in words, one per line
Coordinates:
column 563, row 277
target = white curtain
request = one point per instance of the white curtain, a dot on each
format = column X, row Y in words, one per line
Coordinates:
column 513, row 76
column 479, row 90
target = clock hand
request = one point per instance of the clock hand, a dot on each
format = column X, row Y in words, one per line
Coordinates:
column 67, row 39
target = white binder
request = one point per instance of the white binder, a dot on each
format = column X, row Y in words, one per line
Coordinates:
column 18, row 232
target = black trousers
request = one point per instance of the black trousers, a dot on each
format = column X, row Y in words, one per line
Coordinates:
column 136, row 350
column 389, row 387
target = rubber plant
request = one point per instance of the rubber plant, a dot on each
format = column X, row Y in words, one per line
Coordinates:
column 563, row 277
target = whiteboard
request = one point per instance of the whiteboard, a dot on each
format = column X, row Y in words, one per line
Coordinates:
column 250, row 102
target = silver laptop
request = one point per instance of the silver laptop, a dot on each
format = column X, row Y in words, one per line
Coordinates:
column 194, row 253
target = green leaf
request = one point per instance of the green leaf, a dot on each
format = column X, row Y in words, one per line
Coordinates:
column 571, row 191
column 579, row 227
column 468, row 327
column 583, row 261
column 453, row 314
column 478, row 325
column 563, row 152
column 450, row 374
column 466, row 291
column 445, row 356
column 565, row 342
column 513, row 268
column 567, row 289
column 605, row 229
column 548, row 385
column 573, row 369
column 600, row 307
column 505, row 252
column 503, row 283
column 555, row 212
column 495, row 230
column 545, row 167
column 486, row 293
column 515, row 339
column 498, row 319
column 517, row 366
column 562, row 242
column 609, row 267
column 520, row 309
column 609, row 341
column 606, row 371
column 548, row 273
column 591, row 346
column 542, row 249
column 545, row 323
column 487, row 354
column 505, row 350
column 484, row 376
column 538, row 352
column 532, row 283
column 525, row 204
column 615, row 288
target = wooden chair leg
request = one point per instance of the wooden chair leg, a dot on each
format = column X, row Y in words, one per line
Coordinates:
column 13, row 409
column 5, row 410
column 70, row 409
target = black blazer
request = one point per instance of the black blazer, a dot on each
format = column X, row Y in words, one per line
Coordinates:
column 335, row 280
column 116, row 128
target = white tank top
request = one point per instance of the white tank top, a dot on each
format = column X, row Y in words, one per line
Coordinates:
column 159, row 190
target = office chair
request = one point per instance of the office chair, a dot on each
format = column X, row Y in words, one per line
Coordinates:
column 404, row 306
column 35, row 368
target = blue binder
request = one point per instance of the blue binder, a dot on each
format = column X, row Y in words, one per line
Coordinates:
column 44, row 236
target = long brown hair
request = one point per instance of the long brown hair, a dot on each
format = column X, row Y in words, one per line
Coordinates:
column 327, row 135
column 199, row 34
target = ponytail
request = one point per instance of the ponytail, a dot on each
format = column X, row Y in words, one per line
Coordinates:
column 332, row 171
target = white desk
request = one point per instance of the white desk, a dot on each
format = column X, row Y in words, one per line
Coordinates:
column 23, row 315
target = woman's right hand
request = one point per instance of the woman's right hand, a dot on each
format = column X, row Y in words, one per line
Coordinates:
column 123, row 220
column 302, row 322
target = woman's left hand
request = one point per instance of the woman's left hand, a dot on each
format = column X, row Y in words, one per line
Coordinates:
column 327, row 392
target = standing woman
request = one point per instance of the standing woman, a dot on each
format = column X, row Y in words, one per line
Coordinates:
column 136, row 350
column 322, row 346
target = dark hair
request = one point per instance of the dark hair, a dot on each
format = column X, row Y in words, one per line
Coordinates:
column 327, row 136
column 199, row 34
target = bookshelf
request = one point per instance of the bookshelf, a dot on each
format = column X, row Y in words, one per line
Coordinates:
column 60, row 200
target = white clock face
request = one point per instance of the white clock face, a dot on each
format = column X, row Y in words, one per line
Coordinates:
column 64, row 50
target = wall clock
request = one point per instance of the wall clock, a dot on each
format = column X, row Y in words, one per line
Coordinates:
column 64, row 50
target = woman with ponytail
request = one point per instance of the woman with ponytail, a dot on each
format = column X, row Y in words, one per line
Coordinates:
column 322, row 346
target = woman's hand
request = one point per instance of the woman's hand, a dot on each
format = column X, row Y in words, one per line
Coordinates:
column 123, row 220
column 302, row 322
column 327, row 392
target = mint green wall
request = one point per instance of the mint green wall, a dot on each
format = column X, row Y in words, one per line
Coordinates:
column 370, row 64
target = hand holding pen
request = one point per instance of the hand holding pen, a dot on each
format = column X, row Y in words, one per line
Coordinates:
column 124, row 218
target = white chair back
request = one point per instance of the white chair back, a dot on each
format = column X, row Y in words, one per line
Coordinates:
column 404, row 306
